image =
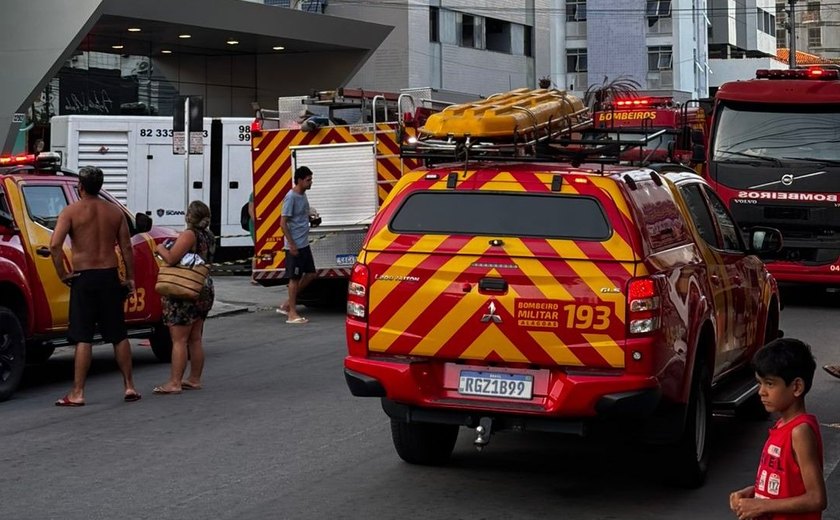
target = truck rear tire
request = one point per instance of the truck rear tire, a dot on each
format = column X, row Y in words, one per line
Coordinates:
column 161, row 343
column 688, row 460
column 12, row 353
column 424, row 443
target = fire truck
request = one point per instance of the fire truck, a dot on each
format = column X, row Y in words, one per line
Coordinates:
column 349, row 139
column 774, row 158
column 671, row 132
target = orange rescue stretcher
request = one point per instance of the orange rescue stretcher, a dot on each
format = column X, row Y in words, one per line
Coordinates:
column 518, row 112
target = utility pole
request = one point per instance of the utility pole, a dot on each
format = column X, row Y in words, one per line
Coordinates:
column 792, row 33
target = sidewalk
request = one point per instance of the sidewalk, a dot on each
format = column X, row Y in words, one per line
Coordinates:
column 236, row 294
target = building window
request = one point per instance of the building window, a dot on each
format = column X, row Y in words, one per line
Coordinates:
column 466, row 34
column 497, row 35
column 576, row 60
column 781, row 38
column 659, row 58
column 814, row 37
column 575, row 10
column 434, row 24
column 659, row 8
column 529, row 42
column 765, row 21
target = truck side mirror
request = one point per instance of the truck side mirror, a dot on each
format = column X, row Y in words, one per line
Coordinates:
column 143, row 223
column 7, row 224
column 698, row 154
column 697, row 137
column 765, row 241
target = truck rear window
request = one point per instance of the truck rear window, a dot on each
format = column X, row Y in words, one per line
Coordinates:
column 502, row 214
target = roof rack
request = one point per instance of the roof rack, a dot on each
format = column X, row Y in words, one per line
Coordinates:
column 508, row 125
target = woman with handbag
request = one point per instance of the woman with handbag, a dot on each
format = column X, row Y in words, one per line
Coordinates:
column 185, row 316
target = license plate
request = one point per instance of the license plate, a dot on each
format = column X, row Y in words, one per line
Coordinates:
column 496, row 384
column 345, row 259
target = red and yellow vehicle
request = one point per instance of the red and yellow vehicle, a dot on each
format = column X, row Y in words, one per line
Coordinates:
column 355, row 166
column 521, row 292
column 773, row 157
column 34, row 303
column 668, row 131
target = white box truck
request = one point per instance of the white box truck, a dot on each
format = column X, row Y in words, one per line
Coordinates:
column 135, row 154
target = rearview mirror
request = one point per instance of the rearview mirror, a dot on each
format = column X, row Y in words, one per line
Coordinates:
column 144, row 222
column 765, row 241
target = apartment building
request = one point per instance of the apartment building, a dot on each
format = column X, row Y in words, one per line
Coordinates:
column 660, row 44
column 817, row 27
column 455, row 45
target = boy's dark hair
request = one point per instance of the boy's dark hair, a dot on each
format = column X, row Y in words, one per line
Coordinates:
column 788, row 359
column 301, row 173
column 91, row 179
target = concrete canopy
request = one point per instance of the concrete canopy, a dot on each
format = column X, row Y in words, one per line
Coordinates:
column 37, row 37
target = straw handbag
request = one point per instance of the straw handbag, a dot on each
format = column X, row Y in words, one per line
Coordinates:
column 183, row 281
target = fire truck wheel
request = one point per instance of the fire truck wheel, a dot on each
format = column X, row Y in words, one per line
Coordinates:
column 424, row 443
column 12, row 353
column 37, row 353
column 689, row 458
column 161, row 343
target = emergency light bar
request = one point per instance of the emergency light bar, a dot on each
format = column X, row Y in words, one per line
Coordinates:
column 43, row 158
column 643, row 102
column 809, row 73
column 16, row 160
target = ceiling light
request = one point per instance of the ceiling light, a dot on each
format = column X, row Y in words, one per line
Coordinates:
column 133, row 29
column 116, row 47
column 184, row 36
column 166, row 51
column 232, row 42
column 278, row 47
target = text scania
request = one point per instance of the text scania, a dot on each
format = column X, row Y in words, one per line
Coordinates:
column 780, row 195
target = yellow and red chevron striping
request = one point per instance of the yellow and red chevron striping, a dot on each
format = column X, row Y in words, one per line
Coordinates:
column 271, row 158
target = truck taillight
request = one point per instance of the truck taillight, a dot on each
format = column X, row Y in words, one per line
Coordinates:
column 256, row 127
column 643, row 306
column 357, row 292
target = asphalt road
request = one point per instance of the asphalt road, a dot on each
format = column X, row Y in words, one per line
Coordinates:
column 276, row 434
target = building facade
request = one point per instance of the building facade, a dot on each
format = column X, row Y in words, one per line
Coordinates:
column 817, row 27
column 455, row 45
column 660, row 44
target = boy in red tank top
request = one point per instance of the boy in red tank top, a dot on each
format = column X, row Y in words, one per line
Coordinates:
column 789, row 484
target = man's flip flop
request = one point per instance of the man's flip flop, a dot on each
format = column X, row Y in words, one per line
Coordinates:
column 283, row 312
column 297, row 321
column 186, row 385
column 833, row 370
column 65, row 401
column 132, row 397
column 163, row 391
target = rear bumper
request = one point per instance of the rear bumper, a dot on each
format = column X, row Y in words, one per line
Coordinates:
column 422, row 388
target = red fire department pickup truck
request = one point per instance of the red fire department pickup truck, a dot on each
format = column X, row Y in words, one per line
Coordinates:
column 33, row 301
column 521, row 292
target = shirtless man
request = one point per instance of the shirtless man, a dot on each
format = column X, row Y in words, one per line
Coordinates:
column 95, row 226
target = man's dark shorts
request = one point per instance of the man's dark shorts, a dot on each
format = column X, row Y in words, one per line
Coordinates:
column 96, row 297
column 297, row 266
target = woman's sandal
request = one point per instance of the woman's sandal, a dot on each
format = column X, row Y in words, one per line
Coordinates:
column 833, row 370
column 186, row 385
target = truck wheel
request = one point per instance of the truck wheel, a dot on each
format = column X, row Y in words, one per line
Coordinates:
column 161, row 343
column 689, row 458
column 12, row 353
column 424, row 443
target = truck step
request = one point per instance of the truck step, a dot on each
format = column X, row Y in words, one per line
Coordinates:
column 734, row 391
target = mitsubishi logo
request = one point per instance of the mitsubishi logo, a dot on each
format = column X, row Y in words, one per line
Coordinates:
column 787, row 179
column 491, row 314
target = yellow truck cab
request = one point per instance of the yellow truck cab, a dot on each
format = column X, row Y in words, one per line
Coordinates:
column 34, row 303
column 536, row 284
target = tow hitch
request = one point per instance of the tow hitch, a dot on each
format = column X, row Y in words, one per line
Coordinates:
column 483, row 432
